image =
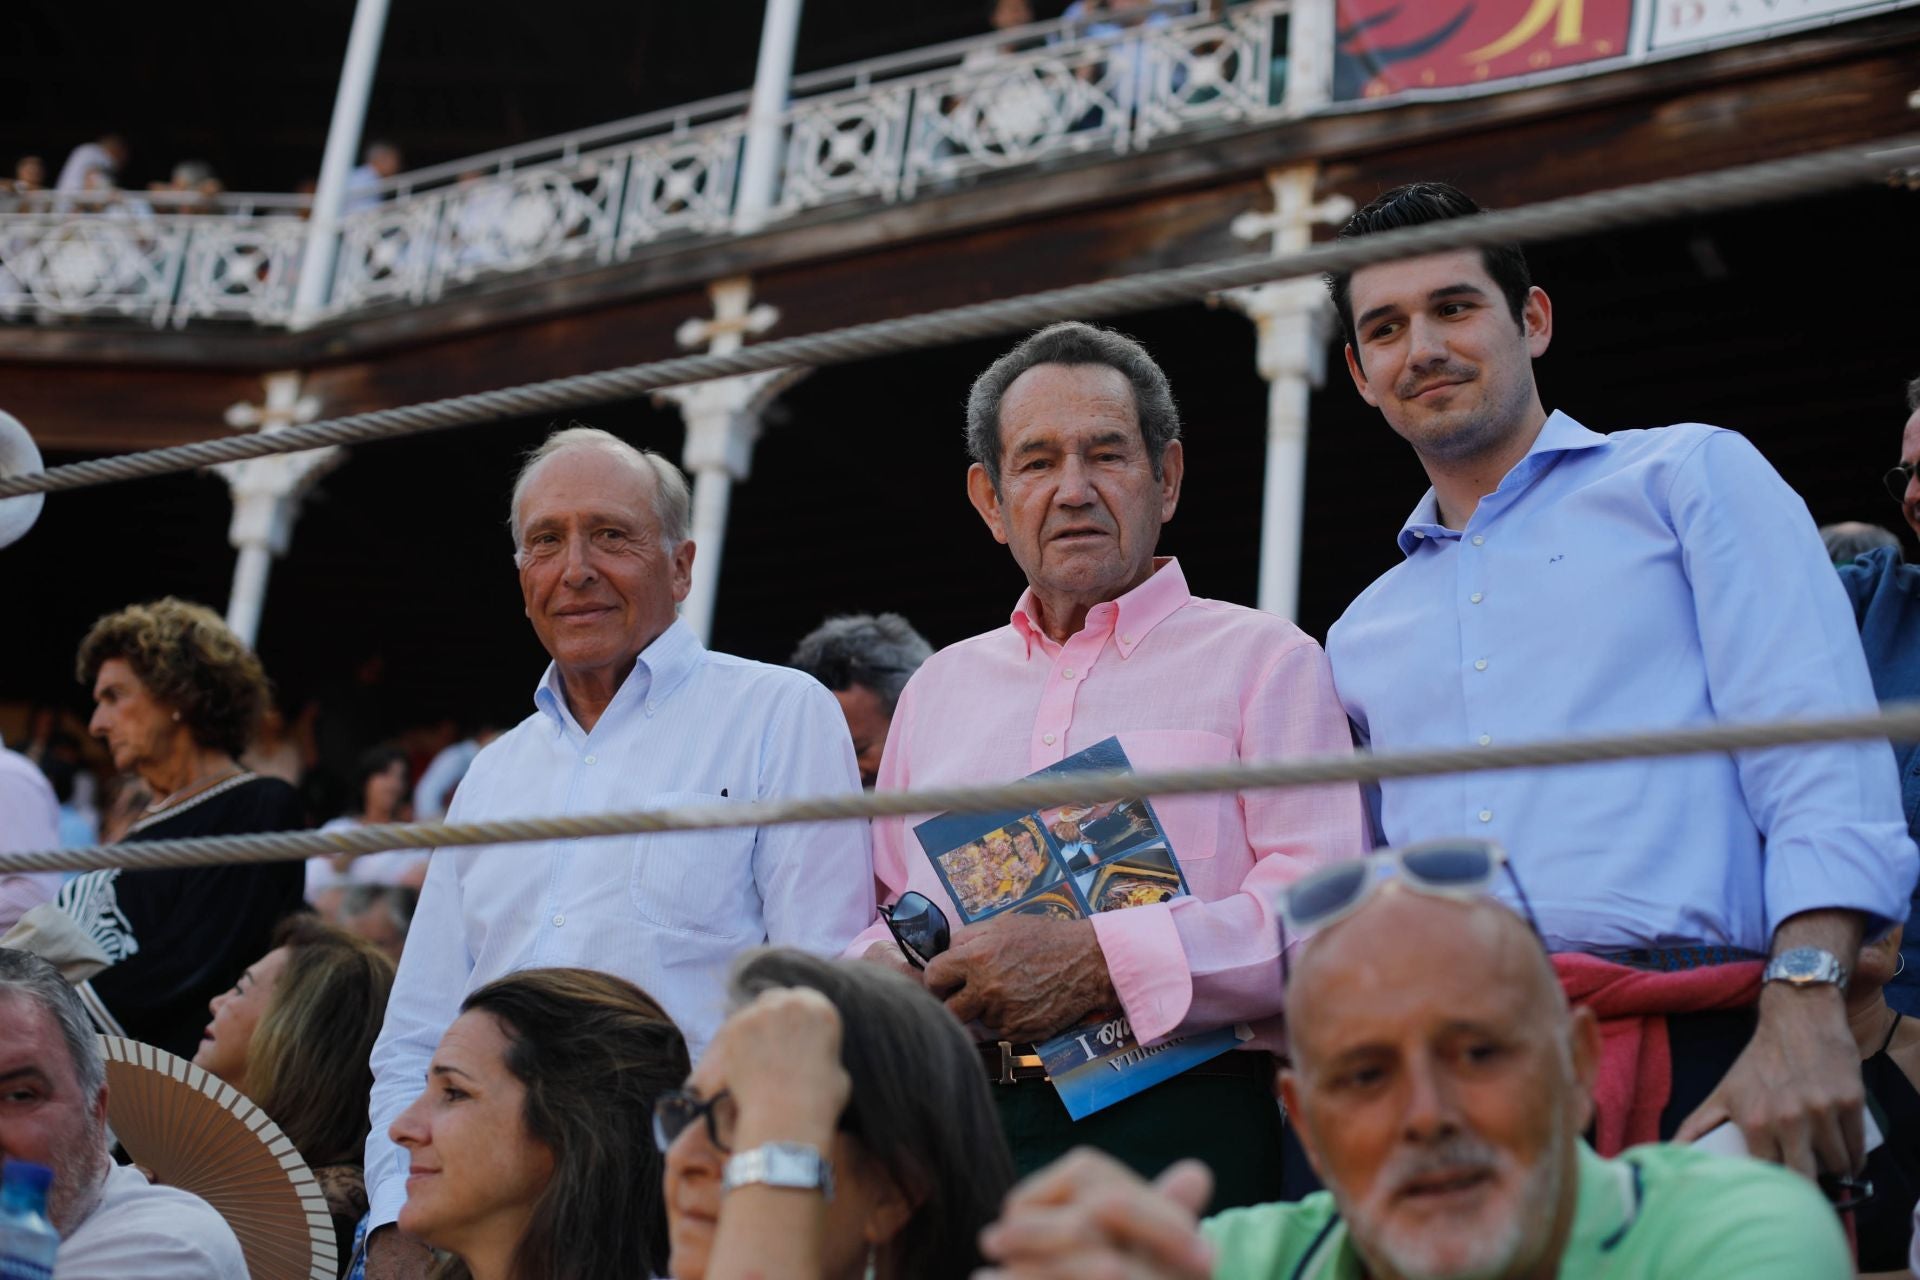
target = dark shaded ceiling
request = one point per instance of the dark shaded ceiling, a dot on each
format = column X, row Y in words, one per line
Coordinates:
column 249, row 87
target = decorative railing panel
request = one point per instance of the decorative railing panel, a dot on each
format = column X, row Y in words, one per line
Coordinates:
column 891, row 129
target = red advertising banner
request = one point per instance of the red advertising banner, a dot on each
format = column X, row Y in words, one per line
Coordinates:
column 1389, row 46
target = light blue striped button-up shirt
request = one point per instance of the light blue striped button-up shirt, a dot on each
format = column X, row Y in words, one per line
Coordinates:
column 1639, row 580
column 668, row 912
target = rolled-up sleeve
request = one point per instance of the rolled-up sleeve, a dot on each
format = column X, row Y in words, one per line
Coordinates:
column 1190, row 964
column 1780, row 643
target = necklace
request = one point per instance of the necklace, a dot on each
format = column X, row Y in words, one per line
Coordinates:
column 195, row 788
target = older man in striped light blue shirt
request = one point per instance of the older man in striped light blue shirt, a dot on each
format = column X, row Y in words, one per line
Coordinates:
column 633, row 713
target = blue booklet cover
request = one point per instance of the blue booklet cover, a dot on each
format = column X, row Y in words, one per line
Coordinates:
column 1069, row 863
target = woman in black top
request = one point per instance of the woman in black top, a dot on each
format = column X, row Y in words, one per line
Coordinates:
column 1889, row 1047
column 176, row 697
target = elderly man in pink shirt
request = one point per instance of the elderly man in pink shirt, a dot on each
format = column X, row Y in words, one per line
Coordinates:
column 1077, row 465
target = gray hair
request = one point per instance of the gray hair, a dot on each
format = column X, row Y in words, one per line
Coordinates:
column 1851, row 539
column 1913, row 396
column 672, row 501
column 1072, row 343
column 879, row 652
column 31, row 978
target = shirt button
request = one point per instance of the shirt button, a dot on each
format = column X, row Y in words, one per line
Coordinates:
column 1067, row 674
column 1486, row 739
column 1418, row 534
column 1126, row 639
column 1048, row 739
column 1486, row 815
column 1475, row 597
column 558, row 921
column 1480, row 664
column 1479, row 541
column 593, row 759
column 649, row 706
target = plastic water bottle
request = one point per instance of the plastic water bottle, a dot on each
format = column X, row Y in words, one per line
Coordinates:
column 27, row 1239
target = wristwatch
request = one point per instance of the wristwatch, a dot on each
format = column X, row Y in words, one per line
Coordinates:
column 780, row 1164
column 1807, row 967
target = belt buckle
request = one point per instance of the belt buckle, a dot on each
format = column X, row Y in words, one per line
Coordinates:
column 1006, row 1063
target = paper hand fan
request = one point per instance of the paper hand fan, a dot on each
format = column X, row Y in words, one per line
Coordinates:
column 195, row 1132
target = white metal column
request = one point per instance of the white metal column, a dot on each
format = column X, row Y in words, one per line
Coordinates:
column 766, row 115
column 343, row 139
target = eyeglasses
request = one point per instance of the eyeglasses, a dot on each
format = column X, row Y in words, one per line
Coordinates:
column 1463, row 869
column 920, row 928
column 1897, row 481
column 676, row 1109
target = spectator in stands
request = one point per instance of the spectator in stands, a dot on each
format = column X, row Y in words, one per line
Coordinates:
column 1440, row 1085
column 106, row 155
column 380, row 914
column 176, row 696
column 443, row 773
column 889, row 1158
column 113, row 1225
column 380, row 161
column 1559, row 581
column 194, row 187
column 293, row 1034
column 1889, row 1046
column 274, row 752
column 25, row 191
column 1851, row 539
column 865, row 660
column 1886, row 604
column 633, row 712
column 530, row 1151
column 29, row 819
column 1077, row 466
column 379, row 795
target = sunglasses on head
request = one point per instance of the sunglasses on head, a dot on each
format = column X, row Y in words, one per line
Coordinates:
column 919, row 927
column 1463, row 869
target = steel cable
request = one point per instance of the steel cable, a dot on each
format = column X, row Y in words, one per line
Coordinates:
column 1714, row 192
column 1897, row 721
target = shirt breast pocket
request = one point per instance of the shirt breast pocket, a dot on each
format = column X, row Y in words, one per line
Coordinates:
column 695, row 881
column 1193, row 823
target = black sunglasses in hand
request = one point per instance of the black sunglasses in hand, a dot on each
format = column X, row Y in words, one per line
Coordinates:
column 919, row 927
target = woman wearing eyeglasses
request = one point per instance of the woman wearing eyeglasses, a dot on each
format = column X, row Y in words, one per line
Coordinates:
column 837, row 1128
column 531, row 1152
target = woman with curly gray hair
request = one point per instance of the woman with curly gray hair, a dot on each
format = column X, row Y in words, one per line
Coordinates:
column 176, row 697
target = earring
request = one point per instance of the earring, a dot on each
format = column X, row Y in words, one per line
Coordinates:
column 176, row 717
column 872, row 1268
column 1901, row 967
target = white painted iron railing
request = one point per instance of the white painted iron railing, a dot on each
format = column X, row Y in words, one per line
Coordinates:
column 889, row 129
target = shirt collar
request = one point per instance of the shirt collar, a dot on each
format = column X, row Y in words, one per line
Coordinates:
column 1559, row 434
column 662, row 667
column 1127, row 619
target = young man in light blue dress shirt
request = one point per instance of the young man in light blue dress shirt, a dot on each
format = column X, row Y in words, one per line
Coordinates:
column 1558, row 582
column 633, row 713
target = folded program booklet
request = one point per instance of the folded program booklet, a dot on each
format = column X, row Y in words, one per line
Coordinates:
column 1069, row 863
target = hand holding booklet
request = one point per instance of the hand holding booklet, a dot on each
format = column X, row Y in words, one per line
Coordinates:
column 1067, row 864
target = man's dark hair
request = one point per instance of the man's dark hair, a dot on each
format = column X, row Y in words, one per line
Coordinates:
column 1913, row 396
column 1071, row 342
column 877, row 651
column 1413, row 205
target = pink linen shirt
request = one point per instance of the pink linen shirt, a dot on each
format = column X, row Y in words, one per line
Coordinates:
column 1184, row 683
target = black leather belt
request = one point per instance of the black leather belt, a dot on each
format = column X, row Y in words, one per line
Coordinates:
column 1009, row 1063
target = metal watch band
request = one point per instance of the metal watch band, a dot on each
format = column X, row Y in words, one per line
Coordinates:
column 1807, row 966
column 793, row 1165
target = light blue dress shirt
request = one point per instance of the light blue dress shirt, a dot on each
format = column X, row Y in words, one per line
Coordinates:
column 668, row 912
column 1640, row 580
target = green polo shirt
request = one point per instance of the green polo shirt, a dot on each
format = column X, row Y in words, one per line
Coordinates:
column 1657, row 1212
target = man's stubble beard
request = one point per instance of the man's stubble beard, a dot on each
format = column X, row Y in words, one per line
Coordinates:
column 1542, row 1187
column 79, row 1172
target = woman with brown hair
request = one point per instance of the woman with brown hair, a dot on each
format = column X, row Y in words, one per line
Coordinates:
column 838, row 1127
column 177, row 696
column 294, row 1035
column 531, row 1156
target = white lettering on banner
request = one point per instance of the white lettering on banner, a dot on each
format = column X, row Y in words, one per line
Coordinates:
column 1679, row 22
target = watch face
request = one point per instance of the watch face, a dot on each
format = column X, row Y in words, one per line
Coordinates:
column 1800, row 964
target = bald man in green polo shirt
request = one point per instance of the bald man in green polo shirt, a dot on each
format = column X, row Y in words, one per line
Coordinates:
column 1440, row 1086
